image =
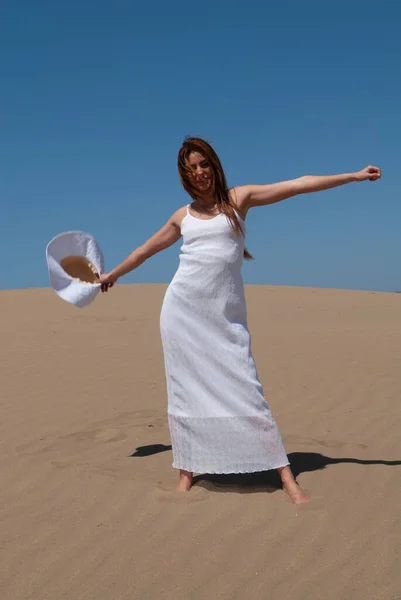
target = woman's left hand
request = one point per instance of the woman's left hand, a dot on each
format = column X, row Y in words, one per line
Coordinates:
column 371, row 173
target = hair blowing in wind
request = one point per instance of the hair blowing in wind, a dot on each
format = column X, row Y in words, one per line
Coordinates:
column 219, row 183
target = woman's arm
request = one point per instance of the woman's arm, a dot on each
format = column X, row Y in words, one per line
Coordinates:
column 162, row 239
column 260, row 195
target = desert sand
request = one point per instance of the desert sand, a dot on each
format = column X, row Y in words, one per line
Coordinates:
column 87, row 501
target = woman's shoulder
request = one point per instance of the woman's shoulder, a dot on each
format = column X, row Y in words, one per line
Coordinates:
column 238, row 196
column 177, row 217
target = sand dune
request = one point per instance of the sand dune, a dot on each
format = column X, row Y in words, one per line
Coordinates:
column 87, row 506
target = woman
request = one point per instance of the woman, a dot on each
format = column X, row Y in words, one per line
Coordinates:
column 218, row 417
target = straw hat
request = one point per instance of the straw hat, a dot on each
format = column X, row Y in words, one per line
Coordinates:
column 74, row 261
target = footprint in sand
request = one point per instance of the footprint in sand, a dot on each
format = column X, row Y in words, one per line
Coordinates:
column 104, row 431
column 166, row 492
column 78, row 438
column 97, row 435
column 102, row 470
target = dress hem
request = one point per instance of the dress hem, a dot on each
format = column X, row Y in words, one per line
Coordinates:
column 230, row 472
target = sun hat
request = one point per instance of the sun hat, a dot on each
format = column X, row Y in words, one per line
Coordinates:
column 74, row 261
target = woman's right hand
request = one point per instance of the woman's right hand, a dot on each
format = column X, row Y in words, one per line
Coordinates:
column 107, row 280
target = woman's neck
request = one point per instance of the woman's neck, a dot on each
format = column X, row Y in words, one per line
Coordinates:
column 206, row 202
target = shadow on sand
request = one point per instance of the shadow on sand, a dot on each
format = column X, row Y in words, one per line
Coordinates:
column 265, row 481
column 269, row 481
column 149, row 450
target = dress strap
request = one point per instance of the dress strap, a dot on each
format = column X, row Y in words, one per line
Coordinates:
column 187, row 209
column 239, row 216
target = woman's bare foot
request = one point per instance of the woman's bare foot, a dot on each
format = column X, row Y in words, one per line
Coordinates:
column 185, row 482
column 290, row 486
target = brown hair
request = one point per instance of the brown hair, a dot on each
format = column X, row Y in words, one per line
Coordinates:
column 219, row 182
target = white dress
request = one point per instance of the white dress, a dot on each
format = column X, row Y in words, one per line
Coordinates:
column 218, row 417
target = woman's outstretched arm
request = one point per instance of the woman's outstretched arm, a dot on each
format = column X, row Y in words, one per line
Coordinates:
column 260, row 195
column 162, row 239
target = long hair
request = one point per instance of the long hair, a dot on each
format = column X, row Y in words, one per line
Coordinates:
column 219, row 183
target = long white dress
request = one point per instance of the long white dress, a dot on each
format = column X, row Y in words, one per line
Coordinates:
column 218, row 417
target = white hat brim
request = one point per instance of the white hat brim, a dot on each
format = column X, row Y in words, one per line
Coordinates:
column 73, row 243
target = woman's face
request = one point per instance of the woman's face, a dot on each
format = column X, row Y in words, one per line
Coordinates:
column 200, row 172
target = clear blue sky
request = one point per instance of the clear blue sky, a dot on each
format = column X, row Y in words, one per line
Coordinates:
column 96, row 98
